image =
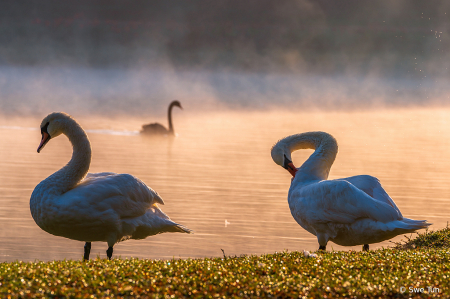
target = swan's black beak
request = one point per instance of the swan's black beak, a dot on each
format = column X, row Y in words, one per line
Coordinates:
column 287, row 164
column 45, row 138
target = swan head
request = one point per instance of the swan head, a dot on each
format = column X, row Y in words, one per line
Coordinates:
column 282, row 157
column 52, row 126
column 177, row 104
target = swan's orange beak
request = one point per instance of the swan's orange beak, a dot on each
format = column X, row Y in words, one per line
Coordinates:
column 292, row 170
column 45, row 139
column 287, row 164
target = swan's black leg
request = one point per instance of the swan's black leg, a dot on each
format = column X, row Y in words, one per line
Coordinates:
column 366, row 247
column 109, row 252
column 87, row 251
column 323, row 247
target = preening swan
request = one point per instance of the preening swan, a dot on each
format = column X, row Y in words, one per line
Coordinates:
column 158, row 129
column 348, row 211
column 105, row 207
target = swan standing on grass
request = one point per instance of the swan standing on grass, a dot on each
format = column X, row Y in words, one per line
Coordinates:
column 349, row 211
column 105, row 207
column 158, row 129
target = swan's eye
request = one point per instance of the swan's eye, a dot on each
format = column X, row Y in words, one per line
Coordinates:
column 44, row 128
column 286, row 162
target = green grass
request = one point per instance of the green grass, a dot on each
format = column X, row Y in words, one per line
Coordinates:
column 378, row 273
column 433, row 239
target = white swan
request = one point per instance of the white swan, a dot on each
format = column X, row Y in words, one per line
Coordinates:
column 106, row 207
column 349, row 211
column 158, row 129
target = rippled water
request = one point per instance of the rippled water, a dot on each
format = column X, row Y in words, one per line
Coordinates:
column 217, row 176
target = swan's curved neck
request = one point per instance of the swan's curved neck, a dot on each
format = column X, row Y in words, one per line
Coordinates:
column 318, row 165
column 169, row 114
column 70, row 175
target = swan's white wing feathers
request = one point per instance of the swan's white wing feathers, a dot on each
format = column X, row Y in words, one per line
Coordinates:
column 125, row 194
column 97, row 175
column 371, row 185
column 338, row 201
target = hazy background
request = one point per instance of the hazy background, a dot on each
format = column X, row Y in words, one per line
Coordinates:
column 134, row 57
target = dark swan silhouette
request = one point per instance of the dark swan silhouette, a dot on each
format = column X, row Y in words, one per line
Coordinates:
column 158, row 129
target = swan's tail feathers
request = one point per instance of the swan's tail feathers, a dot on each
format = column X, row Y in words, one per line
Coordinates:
column 173, row 227
column 148, row 229
column 415, row 224
column 178, row 228
column 404, row 226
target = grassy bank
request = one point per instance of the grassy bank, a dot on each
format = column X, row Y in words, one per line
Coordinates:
column 378, row 273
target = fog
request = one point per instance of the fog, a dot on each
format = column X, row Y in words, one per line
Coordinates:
column 117, row 57
column 30, row 91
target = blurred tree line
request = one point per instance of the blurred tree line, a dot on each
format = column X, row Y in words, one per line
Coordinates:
column 407, row 38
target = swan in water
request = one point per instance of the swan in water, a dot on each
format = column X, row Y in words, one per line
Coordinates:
column 105, row 207
column 158, row 129
column 348, row 211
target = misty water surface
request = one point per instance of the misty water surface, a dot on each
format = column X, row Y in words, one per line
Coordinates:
column 147, row 91
column 217, row 176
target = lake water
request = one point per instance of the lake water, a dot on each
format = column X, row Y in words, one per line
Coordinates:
column 218, row 179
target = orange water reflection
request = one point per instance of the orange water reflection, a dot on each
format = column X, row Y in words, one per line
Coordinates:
column 219, row 169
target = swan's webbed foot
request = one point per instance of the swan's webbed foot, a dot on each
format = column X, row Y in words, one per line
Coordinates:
column 366, row 247
column 87, row 251
column 322, row 247
column 109, row 252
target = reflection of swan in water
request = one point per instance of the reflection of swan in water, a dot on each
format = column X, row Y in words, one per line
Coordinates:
column 106, row 207
column 348, row 211
column 158, row 129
